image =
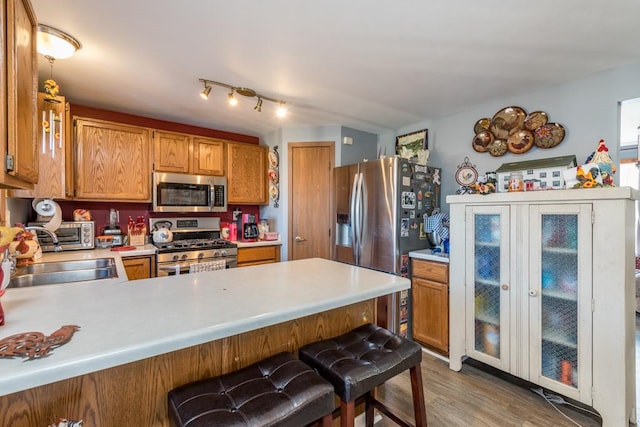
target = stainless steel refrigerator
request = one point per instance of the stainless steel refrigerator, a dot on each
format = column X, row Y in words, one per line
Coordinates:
column 380, row 207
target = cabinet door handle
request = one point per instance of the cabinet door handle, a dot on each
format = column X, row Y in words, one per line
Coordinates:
column 300, row 239
column 533, row 293
column 505, row 287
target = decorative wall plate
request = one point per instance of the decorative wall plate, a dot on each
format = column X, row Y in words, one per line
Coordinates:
column 535, row 120
column 549, row 135
column 482, row 124
column 482, row 140
column 520, row 142
column 498, row 147
column 507, row 121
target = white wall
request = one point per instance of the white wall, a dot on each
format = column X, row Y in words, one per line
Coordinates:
column 587, row 108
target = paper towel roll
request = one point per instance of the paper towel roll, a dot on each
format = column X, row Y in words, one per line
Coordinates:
column 48, row 208
column 56, row 220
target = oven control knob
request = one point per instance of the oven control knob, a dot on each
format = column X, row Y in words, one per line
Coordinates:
column 175, row 257
column 216, row 253
column 223, row 253
column 200, row 255
column 184, row 256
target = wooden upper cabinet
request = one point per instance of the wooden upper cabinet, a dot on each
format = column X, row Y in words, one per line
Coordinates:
column 55, row 157
column 171, row 152
column 247, row 174
column 19, row 69
column 183, row 153
column 208, row 156
column 112, row 161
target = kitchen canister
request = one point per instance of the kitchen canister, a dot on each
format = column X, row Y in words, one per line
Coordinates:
column 516, row 181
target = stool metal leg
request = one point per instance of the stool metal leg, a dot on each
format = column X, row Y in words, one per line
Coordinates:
column 419, row 410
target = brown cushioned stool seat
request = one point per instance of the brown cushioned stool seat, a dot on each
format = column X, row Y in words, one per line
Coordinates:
column 360, row 360
column 277, row 391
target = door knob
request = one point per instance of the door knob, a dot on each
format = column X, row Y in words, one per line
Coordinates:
column 505, row 287
column 300, row 239
column 533, row 293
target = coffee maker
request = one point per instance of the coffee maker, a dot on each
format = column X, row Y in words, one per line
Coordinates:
column 249, row 228
column 113, row 229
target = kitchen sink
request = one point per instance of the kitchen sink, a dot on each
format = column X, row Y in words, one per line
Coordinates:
column 50, row 273
column 52, row 267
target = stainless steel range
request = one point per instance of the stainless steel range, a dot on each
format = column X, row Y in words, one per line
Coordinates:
column 195, row 246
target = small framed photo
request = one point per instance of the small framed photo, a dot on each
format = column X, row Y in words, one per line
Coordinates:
column 410, row 144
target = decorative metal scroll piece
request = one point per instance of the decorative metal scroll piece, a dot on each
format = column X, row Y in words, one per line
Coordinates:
column 35, row 345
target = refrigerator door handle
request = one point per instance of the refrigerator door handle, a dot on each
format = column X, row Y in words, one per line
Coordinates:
column 352, row 209
column 359, row 219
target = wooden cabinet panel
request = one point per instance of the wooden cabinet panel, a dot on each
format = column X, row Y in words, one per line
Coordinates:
column 54, row 169
column 430, row 296
column 171, row 152
column 112, row 161
column 19, row 68
column 258, row 255
column 435, row 271
column 141, row 267
column 431, row 313
column 247, row 174
column 208, row 156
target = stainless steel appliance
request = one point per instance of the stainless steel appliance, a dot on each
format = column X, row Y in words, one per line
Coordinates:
column 195, row 246
column 113, row 229
column 380, row 207
column 72, row 235
column 176, row 192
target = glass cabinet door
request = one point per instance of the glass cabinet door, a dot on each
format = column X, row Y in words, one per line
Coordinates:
column 487, row 291
column 560, row 295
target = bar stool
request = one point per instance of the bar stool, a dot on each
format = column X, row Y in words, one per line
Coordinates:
column 277, row 391
column 359, row 361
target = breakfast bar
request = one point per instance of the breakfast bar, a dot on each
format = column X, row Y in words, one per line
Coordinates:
column 139, row 339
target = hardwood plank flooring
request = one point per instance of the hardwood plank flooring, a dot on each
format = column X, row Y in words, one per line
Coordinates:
column 475, row 397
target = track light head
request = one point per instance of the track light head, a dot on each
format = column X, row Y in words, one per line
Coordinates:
column 258, row 106
column 205, row 93
column 282, row 110
column 232, row 99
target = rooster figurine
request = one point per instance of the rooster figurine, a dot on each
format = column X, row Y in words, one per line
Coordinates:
column 35, row 345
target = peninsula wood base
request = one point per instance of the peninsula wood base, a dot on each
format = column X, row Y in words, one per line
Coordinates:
column 136, row 393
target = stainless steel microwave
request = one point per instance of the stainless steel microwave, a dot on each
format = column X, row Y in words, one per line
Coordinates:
column 72, row 235
column 177, row 192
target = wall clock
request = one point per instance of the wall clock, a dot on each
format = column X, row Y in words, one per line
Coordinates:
column 466, row 176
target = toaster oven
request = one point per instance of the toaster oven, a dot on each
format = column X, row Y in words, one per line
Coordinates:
column 72, row 235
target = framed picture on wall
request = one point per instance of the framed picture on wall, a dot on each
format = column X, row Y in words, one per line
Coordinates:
column 411, row 145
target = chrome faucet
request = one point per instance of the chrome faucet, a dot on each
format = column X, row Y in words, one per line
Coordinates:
column 54, row 238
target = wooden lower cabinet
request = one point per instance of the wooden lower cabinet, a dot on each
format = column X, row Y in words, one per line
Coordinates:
column 430, row 288
column 258, row 255
column 140, row 267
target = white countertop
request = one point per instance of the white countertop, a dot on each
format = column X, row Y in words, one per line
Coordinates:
column 259, row 243
column 123, row 321
column 428, row 254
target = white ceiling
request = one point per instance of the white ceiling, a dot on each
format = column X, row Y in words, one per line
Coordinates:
column 371, row 65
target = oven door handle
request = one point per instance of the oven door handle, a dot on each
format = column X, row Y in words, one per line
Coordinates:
column 173, row 267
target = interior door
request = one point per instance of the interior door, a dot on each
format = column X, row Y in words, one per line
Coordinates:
column 310, row 199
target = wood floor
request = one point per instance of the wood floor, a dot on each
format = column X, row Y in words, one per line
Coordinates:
column 474, row 397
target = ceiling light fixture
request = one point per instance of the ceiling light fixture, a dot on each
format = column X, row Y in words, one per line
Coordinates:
column 55, row 43
column 244, row 91
column 206, row 91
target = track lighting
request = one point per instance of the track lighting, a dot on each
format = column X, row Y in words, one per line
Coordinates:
column 244, row 91
column 206, row 91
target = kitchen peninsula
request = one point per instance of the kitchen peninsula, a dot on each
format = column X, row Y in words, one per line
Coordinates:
column 139, row 339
